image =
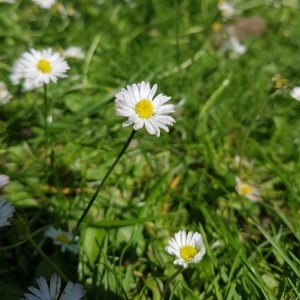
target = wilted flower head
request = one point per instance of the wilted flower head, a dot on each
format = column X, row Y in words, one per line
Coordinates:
column 249, row 191
column 187, row 247
column 45, row 4
column 295, row 93
column 38, row 67
column 5, row 96
column 137, row 102
column 71, row 292
column 6, row 212
column 62, row 238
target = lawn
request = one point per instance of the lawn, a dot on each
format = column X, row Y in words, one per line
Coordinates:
column 96, row 203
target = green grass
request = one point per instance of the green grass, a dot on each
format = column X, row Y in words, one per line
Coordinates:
column 184, row 180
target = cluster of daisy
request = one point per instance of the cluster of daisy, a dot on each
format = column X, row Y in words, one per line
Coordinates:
column 187, row 247
column 142, row 107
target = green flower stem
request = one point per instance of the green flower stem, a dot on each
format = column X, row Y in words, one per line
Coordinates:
column 104, row 180
column 30, row 240
column 46, row 105
column 166, row 287
column 46, row 112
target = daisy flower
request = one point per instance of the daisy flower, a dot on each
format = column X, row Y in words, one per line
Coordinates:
column 8, row 1
column 249, row 191
column 4, row 180
column 63, row 239
column 5, row 96
column 6, row 211
column 187, row 247
column 74, row 52
column 71, row 292
column 137, row 102
column 39, row 67
column 226, row 9
column 235, row 45
column 17, row 76
column 295, row 93
column 45, row 4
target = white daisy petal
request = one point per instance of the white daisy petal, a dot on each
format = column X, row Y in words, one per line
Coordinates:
column 71, row 292
column 45, row 4
column 5, row 97
column 150, row 128
column 295, row 93
column 6, row 212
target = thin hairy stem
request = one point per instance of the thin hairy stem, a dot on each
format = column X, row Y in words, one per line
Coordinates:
column 103, row 181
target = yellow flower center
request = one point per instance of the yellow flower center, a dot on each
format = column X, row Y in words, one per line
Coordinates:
column 62, row 238
column 44, row 66
column 188, row 252
column 144, row 109
column 216, row 27
column 246, row 189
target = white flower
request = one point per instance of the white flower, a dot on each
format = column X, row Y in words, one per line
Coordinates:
column 17, row 76
column 38, row 68
column 74, row 52
column 5, row 96
column 236, row 46
column 4, row 180
column 249, row 191
column 8, row 1
column 226, row 9
column 295, row 93
column 63, row 239
column 137, row 103
column 6, row 211
column 71, row 292
column 233, row 44
column 187, row 247
column 45, row 4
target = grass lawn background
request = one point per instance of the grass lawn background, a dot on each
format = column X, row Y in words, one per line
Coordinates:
column 226, row 106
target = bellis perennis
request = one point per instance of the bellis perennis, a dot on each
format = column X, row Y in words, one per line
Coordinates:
column 187, row 247
column 36, row 68
column 137, row 102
